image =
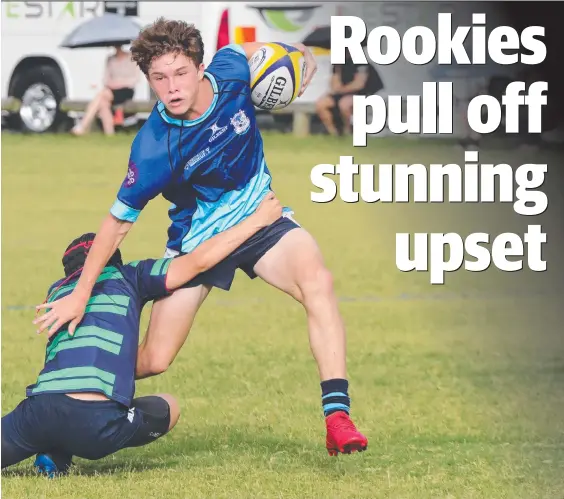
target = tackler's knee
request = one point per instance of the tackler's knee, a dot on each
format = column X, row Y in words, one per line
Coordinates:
column 174, row 409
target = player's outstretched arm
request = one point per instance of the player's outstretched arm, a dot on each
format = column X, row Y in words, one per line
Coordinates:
column 71, row 307
column 311, row 65
column 215, row 249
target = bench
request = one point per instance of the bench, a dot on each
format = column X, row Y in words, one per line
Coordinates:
column 129, row 107
column 301, row 112
column 11, row 104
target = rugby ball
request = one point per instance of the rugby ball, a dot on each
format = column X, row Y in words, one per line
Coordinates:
column 277, row 72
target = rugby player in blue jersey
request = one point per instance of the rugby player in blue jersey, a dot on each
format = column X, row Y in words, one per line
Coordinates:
column 201, row 150
column 82, row 401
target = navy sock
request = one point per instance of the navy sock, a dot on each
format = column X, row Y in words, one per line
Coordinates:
column 335, row 396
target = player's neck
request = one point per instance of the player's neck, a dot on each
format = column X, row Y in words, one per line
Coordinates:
column 203, row 101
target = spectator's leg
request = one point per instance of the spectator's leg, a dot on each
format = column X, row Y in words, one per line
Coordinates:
column 323, row 107
column 346, row 109
column 105, row 114
column 470, row 139
column 469, row 88
column 91, row 111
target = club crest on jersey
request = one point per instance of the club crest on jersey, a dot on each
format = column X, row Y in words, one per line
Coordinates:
column 216, row 131
column 240, row 122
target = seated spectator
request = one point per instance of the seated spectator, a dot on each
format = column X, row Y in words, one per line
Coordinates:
column 348, row 79
column 120, row 78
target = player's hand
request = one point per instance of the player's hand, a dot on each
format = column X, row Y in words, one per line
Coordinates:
column 269, row 210
column 310, row 65
column 68, row 309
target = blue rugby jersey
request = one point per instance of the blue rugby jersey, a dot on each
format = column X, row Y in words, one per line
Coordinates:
column 101, row 355
column 212, row 169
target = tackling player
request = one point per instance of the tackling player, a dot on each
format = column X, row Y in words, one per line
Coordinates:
column 202, row 150
column 82, row 402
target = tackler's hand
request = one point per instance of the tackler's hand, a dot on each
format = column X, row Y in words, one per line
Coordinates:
column 269, row 210
column 69, row 309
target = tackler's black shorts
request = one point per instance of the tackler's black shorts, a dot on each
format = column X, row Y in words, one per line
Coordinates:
column 90, row 429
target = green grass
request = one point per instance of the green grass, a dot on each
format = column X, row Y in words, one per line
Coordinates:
column 460, row 397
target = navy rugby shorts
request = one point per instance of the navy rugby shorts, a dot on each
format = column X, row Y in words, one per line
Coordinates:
column 245, row 257
column 54, row 423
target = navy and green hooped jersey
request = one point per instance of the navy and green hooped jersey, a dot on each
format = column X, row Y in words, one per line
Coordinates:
column 101, row 355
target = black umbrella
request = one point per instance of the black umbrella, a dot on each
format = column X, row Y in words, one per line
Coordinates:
column 108, row 30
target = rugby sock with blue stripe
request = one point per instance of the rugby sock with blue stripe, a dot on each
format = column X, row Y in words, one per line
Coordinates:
column 335, row 396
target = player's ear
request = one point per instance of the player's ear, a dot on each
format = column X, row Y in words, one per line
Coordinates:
column 201, row 69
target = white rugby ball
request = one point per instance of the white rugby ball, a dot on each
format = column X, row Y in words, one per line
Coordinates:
column 277, row 72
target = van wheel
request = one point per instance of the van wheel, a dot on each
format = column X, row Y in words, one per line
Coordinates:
column 40, row 91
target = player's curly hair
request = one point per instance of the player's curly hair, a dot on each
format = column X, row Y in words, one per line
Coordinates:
column 77, row 251
column 165, row 37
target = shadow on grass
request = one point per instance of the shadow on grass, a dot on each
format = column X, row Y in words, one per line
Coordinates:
column 205, row 447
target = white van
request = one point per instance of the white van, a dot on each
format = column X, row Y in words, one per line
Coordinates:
column 37, row 71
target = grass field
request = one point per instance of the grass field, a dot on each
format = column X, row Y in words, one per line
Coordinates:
column 459, row 388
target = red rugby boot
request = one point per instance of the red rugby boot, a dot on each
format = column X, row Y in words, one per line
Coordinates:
column 342, row 435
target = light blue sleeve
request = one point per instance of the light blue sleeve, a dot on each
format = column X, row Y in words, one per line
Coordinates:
column 123, row 212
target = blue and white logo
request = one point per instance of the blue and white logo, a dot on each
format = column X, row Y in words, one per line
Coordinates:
column 240, row 122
